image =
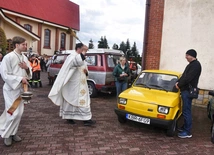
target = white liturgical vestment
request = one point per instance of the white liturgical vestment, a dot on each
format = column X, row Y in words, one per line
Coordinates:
column 12, row 75
column 70, row 89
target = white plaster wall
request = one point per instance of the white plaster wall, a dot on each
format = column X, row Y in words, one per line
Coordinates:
column 11, row 31
column 189, row 24
column 34, row 25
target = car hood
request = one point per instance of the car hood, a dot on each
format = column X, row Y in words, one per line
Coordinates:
column 151, row 96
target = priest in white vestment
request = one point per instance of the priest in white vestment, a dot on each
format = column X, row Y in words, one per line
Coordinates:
column 70, row 89
column 15, row 71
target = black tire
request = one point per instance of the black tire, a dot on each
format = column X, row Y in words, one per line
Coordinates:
column 121, row 119
column 172, row 128
column 212, row 134
column 92, row 90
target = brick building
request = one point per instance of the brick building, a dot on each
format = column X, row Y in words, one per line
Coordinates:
column 171, row 28
column 44, row 23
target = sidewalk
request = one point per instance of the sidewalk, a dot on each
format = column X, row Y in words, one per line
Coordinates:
column 44, row 132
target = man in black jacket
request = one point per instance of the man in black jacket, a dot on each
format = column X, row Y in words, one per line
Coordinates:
column 188, row 79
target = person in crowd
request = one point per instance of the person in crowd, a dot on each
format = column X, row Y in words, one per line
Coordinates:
column 50, row 78
column 189, row 78
column 36, row 68
column 45, row 61
column 15, row 71
column 42, row 63
column 121, row 73
column 73, row 77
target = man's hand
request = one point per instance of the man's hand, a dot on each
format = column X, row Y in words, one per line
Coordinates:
column 23, row 65
column 176, row 85
column 24, row 80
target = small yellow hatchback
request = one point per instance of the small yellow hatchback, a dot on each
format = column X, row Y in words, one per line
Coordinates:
column 152, row 99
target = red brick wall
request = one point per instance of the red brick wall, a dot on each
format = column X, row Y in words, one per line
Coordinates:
column 153, row 42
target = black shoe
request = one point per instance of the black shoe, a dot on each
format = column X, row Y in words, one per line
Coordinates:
column 71, row 121
column 89, row 122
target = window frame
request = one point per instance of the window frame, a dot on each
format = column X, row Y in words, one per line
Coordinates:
column 63, row 48
column 26, row 27
column 49, row 39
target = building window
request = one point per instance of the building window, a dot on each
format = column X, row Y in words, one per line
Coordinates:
column 28, row 27
column 47, row 39
column 9, row 45
column 63, row 41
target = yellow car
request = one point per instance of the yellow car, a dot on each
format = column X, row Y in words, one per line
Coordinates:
column 153, row 99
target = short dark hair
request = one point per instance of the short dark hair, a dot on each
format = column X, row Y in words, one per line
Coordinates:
column 78, row 45
column 17, row 40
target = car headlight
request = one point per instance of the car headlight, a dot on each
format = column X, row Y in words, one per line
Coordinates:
column 122, row 101
column 163, row 110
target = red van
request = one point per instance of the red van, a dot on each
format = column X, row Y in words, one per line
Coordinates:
column 101, row 63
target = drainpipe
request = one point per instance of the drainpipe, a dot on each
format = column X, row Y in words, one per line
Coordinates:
column 145, row 39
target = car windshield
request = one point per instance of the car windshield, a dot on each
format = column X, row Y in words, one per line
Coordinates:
column 112, row 60
column 159, row 81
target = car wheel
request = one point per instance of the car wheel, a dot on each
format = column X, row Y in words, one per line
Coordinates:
column 212, row 134
column 172, row 128
column 92, row 90
column 121, row 119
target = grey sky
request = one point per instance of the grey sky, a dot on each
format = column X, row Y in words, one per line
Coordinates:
column 118, row 20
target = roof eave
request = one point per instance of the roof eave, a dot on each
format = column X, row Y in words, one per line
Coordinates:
column 19, row 26
column 34, row 19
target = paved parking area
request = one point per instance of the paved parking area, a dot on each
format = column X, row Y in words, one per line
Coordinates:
column 44, row 132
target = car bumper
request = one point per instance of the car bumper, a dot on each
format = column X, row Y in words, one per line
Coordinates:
column 153, row 121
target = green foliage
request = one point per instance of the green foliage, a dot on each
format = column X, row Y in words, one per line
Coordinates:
column 103, row 43
column 123, row 47
column 134, row 50
column 90, row 45
column 128, row 47
column 115, row 47
column 3, row 41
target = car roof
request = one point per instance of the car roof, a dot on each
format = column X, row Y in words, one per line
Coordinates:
column 100, row 51
column 163, row 72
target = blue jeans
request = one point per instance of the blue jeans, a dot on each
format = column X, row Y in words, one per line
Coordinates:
column 187, row 111
column 120, row 86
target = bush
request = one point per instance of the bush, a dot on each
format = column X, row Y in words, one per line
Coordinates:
column 3, row 41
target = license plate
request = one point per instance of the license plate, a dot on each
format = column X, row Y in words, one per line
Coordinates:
column 138, row 119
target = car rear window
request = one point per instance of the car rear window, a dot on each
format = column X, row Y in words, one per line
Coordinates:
column 112, row 60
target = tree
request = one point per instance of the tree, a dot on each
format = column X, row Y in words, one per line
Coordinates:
column 134, row 50
column 101, row 43
column 105, row 42
column 123, row 47
column 128, row 45
column 90, row 45
column 115, row 47
column 3, row 41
